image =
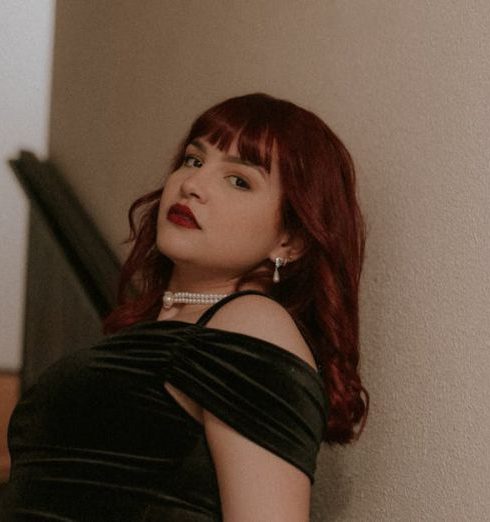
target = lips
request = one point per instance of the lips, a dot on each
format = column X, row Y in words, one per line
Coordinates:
column 182, row 215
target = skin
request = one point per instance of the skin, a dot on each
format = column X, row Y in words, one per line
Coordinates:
column 238, row 209
column 232, row 202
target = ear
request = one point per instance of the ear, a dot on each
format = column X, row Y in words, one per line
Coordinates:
column 289, row 247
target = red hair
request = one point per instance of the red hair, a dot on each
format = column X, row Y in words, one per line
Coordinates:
column 321, row 289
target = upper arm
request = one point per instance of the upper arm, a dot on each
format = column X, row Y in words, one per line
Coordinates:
column 255, row 484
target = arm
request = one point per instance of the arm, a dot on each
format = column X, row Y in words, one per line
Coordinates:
column 255, row 484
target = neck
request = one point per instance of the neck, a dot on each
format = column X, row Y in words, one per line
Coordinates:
column 183, row 280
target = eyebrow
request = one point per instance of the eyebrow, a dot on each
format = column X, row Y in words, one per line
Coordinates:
column 232, row 159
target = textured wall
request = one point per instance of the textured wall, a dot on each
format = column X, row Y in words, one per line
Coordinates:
column 26, row 39
column 406, row 85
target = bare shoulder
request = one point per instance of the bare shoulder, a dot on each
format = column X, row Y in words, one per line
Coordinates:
column 261, row 317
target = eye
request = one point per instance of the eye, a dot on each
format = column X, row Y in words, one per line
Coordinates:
column 191, row 161
column 239, row 182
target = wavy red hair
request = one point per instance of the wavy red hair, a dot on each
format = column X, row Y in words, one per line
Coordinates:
column 319, row 204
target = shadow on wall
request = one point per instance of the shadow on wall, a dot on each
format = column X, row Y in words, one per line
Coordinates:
column 63, row 311
column 332, row 488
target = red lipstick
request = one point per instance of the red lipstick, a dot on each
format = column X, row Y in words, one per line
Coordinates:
column 182, row 215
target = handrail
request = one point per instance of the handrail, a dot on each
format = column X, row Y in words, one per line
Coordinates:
column 90, row 257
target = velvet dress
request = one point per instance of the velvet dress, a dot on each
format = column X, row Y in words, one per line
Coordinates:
column 99, row 438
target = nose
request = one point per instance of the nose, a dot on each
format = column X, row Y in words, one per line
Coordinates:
column 196, row 185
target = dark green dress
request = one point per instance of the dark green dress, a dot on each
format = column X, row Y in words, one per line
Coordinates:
column 98, row 437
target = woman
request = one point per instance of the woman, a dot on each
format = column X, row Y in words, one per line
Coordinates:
column 212, row 404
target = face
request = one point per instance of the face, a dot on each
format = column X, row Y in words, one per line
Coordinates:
column 236, row 206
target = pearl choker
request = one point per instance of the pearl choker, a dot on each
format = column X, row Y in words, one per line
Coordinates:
column 171, row 298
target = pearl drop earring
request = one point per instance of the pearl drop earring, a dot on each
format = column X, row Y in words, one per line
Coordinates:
column 279, row 261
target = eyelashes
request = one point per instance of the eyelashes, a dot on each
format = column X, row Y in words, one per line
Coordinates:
column 192, row 161
column 244, row 184
column 189, row 159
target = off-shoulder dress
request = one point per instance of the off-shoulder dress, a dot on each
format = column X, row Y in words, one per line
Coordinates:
column 99, row 438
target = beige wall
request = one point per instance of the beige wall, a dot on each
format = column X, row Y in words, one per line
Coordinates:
column 406, row 85
column 26, row 42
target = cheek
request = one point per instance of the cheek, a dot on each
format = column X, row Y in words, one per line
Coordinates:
column 163, row 206
column 257, row 225
column 167, row 196
column 266, row 217
column 160, row 211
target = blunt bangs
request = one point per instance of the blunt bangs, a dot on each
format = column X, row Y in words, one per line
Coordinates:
column 250, row 126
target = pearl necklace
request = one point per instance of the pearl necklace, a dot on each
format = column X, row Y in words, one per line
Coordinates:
column 170, row 298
